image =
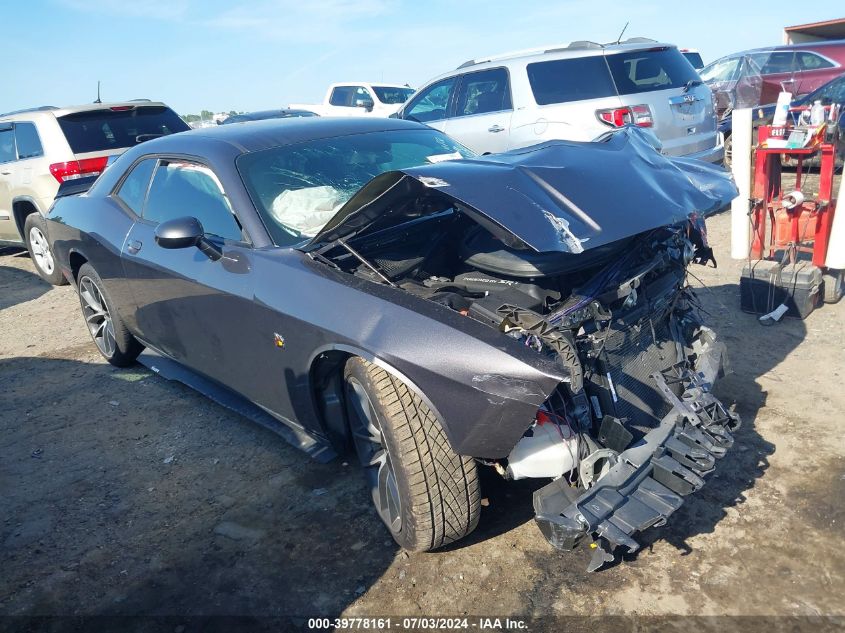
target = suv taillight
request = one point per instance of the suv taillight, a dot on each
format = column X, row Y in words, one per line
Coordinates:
column 639, row 115
column 78, row 168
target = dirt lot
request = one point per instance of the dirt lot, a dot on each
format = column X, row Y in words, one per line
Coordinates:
column 122, row 493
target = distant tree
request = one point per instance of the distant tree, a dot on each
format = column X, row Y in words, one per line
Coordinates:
column 232, row 113
column 205, row 114
column 190, row 118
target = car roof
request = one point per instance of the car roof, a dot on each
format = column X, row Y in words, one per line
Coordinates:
column 268, row 133
column 88, row 107
column 806, row 46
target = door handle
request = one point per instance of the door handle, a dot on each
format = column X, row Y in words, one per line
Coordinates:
column 133, row 247
column 495, row 128
column 5, row 173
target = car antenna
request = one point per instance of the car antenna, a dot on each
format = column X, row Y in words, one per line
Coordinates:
column 624, row 28
column 98, row 93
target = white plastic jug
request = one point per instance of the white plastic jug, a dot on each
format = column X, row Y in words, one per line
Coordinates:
column 817, row 113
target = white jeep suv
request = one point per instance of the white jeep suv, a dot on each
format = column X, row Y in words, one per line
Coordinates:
column 41, row 148
column 574, row 92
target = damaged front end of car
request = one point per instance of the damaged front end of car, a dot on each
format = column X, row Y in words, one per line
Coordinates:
column 579, row 252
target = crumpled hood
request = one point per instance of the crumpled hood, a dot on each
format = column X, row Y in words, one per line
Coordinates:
column 561, row 196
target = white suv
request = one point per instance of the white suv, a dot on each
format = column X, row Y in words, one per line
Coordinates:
column 43, row 147
column 575, row 92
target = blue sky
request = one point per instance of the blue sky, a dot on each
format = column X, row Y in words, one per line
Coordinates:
column 225, row 55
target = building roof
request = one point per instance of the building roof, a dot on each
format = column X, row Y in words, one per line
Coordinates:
column 830, row 29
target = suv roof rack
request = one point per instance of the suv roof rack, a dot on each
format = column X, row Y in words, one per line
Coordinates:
column 25, row 110
column 638, row 40
column 578, row 44
column 531, row 51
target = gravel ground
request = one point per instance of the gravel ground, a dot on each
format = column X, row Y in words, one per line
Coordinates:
column 123, row 493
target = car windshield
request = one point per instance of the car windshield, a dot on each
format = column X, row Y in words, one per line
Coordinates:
column 391, row 95
column 720, row 70
column 298, row 188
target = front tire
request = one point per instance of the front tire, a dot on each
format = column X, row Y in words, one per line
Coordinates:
column 106, row 327
column 35, row 237
column 426, row 494
column 729, row 151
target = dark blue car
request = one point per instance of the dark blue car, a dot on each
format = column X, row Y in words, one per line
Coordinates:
column 831, row 92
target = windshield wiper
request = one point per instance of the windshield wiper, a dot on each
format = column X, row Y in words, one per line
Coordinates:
column 691, row 83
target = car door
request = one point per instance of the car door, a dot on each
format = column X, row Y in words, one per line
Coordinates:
column 780, row 72
column 189, row 306
column 815, row 70
column 483, row 110
column 431, row 105
column 8, row 230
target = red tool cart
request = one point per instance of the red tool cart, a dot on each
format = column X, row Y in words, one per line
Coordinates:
column 790, row 227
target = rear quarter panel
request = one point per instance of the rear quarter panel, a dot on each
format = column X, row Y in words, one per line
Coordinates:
column 95, row 229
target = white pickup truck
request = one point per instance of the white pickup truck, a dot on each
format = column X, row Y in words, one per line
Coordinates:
column 359, row 99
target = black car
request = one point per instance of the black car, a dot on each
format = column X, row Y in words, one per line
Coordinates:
column 371, row 283
column 262, row 115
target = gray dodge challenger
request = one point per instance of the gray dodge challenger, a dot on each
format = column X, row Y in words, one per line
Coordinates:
column 375, row 286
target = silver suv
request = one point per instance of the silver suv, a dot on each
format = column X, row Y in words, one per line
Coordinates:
column 574, row 92
column 43, row 147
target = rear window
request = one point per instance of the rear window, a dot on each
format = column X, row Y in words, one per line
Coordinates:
column 564, row 80
column 99, row 130
column 644, row 71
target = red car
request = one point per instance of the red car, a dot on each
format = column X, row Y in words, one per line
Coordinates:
column 756, row 76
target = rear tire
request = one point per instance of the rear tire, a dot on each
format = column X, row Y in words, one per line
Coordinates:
column 104, row 324
column 35, row 237
column 426, row 494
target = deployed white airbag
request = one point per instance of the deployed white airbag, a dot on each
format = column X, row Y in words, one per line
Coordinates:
column 306, row 211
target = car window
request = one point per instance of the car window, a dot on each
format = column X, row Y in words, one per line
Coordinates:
column 482, row 92
column 298, row 188
column 431, row 104
column 342, row 95
column 7, row 145
column 361, row 96
column 644, row 71
column 29, row 145
column 564, row 80
column 694, row 59
column 811, row 61
column 134, row 188
column 182, row 188
column 98, row 130
column 721, row 70
column 392, row 95
column 774, row 62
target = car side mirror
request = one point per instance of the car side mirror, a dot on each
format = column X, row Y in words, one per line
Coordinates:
column 184, row 233
column 367, row 104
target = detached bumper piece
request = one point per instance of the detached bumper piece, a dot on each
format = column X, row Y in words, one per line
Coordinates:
column 649, row 480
